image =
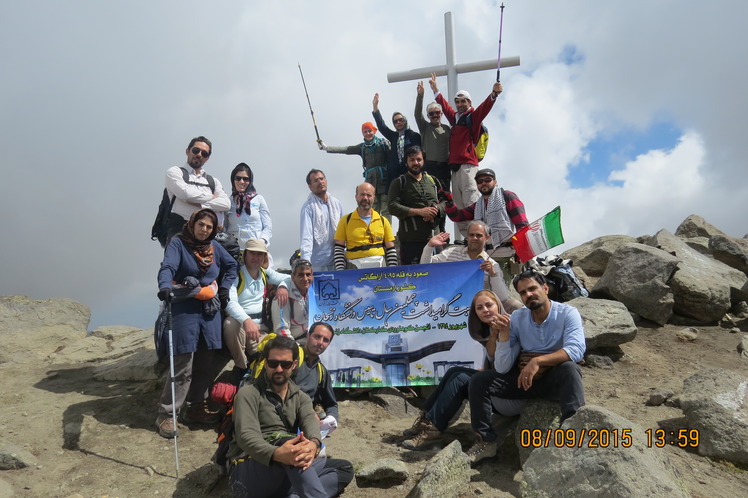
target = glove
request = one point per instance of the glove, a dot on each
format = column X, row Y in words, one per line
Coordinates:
column 328, row 424
column 444, row 195
column 164, row 295
column 223, row 296
column 321, row 145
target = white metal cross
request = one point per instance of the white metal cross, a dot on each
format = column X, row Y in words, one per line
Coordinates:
column 451, row 68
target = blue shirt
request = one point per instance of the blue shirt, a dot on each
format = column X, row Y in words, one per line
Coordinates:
column 561, row 329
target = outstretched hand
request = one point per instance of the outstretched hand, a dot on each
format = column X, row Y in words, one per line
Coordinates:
column 375, row 102
column 419, row 88
column 432, row 82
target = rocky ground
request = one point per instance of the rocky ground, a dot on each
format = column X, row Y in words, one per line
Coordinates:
column 86, row 437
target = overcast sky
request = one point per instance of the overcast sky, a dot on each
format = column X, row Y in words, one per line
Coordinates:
column 630, row 115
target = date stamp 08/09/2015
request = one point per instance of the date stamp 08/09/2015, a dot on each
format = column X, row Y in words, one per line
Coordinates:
column 606, row 438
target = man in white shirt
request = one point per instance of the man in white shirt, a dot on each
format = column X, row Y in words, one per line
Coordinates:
column 319, row 219
column 192, row 189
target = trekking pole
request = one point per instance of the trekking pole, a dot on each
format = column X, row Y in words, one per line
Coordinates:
column 501, row 28
column 319, row 140
column 173, row 394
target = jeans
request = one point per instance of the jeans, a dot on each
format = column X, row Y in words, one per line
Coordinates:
column 562, row 383
column 445, row 402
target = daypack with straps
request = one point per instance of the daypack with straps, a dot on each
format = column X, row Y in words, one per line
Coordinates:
column 563, row 283
column 160, row 228
column 364, row 247
column 481, row 144
column 256, row 364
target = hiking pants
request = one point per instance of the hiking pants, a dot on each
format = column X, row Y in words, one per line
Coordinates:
column 235, row 340
column 464, row 192
column 322, row 479
column 562, row 383
column 446, row 401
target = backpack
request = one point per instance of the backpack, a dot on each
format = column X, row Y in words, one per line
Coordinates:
column 160, row 229
column 562, row 281
column 481, row 145
column 225, row 429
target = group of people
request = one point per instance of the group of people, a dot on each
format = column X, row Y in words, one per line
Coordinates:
column 222, row 302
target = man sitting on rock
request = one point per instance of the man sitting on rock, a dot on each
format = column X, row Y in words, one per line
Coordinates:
column 536, row 356
column 276, row 442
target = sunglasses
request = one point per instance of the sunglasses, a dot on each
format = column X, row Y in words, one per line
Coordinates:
column 197, row 150
column 435, row 113
column 241, row 179
column 273, row 364
column 398, row 120
column 485, row 179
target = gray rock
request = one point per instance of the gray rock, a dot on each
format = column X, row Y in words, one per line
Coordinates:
column 593, row 256
column 446, row 475
column 740, row 310
column 688, row 334
column 734, row 330
column 699, row 244
column 743, row 347
column 140, row 366
column 715, row 402
column 703, row 289
column 586, row 471
column 727, row 322
column 659, row 396
column 606, row 323
column 393, row 401
column 14, row 457
column 599, row 361
column 731, row 251
column 696, row 226
column 637, row 275
column 103, row 347
column 539, row 414
column 383, row 472
column 31, row 330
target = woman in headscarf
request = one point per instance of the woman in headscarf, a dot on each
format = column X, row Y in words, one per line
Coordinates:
column 249, row 216
column 374, row 152
column 194, row 279
column 446, row 401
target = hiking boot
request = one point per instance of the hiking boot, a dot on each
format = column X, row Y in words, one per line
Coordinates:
column 166, row 427
column 200, row 413
column 482, row 450
column 428, row 436
column 421, row 423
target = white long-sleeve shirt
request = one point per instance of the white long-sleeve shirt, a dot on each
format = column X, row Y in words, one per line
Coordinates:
column 190, row 198
column 317, row 224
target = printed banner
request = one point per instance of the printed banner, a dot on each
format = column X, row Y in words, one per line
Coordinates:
column 539, row 236
column 398, row 325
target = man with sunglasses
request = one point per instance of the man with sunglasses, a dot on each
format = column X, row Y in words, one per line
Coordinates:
column 435, row 137
column 500, row 209
column 401, row 139
column 364, row 238
column 277, row 440
column 466, row 127
column 192, row 189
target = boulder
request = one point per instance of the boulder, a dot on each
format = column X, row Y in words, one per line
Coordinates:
column 446, row 475
column 699, row 244
column 703, row 289
column 731, row 251
column 616, row 470
column 606, row 323
column 695, row 226
column 593, row 256
column 539, row 414
column 14, row 457
column 106, row 344
column 31, row 330
column 140, row 366
column 715, row 402
column 637, row 276
column 385, row 472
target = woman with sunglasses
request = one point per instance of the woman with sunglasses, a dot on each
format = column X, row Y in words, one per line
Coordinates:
column 444, row 403
column 194, row 280
column 249, row 216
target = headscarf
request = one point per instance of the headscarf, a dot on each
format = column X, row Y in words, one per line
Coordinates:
column 242, row 199
column 478, row 330
column 201, row 249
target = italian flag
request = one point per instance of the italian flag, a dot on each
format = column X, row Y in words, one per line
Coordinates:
column 539, row 236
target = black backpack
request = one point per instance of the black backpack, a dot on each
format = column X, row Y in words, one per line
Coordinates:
column 160, row 229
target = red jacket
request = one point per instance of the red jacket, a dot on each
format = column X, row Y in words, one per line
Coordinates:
column 462, row 140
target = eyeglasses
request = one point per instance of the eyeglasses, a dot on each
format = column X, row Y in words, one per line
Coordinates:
column 197, row 150
column 241, row 179
column 485, row 179
column 398, row 120
column 273, row 364
column 435, row 113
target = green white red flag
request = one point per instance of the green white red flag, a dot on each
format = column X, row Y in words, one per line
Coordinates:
column 539, row 236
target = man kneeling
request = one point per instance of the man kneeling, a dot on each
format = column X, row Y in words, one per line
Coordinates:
column 268, row 456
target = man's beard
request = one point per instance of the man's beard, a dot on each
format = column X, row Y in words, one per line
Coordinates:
column 489, row 191
column 279, row 379
column 364, row 205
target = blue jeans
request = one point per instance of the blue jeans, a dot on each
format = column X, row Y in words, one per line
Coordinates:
column 562, row 383
column 445, row 402
column 325, row 478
